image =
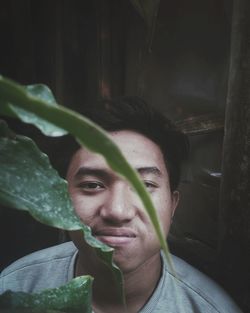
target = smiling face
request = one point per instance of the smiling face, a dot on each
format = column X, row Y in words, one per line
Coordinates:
column 107, row 203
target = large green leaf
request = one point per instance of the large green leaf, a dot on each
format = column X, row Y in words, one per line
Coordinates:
column 44, row 93
column 28, row 182
column 89, row 135
column 74, row 297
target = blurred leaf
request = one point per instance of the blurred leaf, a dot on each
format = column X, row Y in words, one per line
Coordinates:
column 72, row 297
column 41, row 92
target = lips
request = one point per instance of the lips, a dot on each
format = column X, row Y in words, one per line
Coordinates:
column 114, row 237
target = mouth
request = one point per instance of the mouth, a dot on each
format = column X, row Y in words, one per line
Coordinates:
column 115, row 237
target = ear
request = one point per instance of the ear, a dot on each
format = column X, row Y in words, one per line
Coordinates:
column 175, row 201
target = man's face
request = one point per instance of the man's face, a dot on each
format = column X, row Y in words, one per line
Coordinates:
column 108, row 204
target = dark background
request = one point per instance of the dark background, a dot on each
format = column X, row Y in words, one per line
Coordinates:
column 179, row 62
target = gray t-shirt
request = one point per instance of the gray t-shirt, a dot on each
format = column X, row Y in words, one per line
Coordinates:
column 53, row 267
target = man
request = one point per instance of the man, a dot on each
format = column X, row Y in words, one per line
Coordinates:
column 107, row 203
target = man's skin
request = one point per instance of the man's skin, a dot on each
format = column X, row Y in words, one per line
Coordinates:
column 107, row 203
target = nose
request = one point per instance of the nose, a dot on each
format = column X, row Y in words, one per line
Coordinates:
column 118, row 207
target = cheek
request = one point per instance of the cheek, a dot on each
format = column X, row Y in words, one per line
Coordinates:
column 85, row 208
column 164, row 207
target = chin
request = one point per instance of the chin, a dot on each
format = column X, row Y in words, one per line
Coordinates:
column 125, row 263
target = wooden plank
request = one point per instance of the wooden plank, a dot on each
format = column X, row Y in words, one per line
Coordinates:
column 234, row 227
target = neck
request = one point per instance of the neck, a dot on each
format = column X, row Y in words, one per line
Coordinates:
column 139, row 284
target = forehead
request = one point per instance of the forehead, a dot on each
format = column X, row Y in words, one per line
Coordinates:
column 139, row 151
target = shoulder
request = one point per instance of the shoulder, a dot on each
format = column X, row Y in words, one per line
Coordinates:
column 199, row 289
column 42, row 256
column 34, row 271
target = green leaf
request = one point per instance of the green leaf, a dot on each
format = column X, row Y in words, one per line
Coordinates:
column 28, row 182
column 41, row 92
column 74, row 297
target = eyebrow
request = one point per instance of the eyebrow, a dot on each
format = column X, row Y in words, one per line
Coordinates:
column 91, row 171
column 149, row 170
column 103, row 173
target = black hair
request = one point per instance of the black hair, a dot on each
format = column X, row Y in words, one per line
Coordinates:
column 133, row 113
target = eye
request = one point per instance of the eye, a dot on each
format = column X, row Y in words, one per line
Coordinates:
column 150, row 185
column 91, row 186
